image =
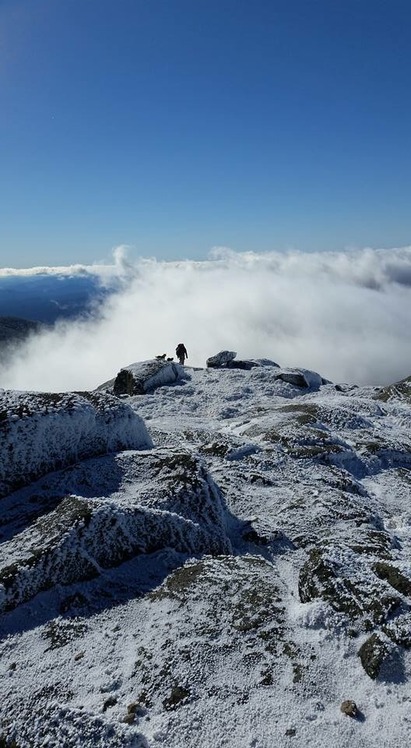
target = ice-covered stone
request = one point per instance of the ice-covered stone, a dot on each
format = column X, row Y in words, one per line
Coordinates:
column 146, row 376
column 41, row 432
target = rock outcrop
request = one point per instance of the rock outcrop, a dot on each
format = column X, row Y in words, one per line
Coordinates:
column 42, row 432
column 174, row 504
column 398, row 391
column 226, row 360
column 220, row 359
column 146, row 376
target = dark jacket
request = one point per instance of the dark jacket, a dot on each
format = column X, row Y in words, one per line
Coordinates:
column 181, row 351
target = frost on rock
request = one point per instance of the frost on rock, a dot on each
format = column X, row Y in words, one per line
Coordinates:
column 374, row 653
column 397, row 391
column 303, row 378
column 232, row 609
column 146, row 376
column 42, row 432
column 174, row 504
column 347, row 584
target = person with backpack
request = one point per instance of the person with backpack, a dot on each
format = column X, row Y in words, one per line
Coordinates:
column 181, row 353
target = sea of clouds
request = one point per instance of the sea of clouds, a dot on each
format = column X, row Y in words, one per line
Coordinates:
column 345, row 314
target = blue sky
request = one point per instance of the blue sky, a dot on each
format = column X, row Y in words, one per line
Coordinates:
column 177, row 125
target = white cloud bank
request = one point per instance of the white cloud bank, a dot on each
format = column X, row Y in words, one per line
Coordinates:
column 120, row 267
column 346, row 315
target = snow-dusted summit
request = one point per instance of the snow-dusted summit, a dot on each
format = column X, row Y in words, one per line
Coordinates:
column 221, row 558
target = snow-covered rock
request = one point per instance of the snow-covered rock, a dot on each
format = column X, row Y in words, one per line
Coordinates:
column 301, row 378
column 41, row 432
column 220, row 359
column 146, row 376
column 264, row 362
column 227, row 360
column 173, row 504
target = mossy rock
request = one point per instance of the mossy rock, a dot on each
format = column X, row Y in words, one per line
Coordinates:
column 180, row 468
column 179, row 582
column 177, row 505
column 374, row 653
column 242, row 592
column 394, row 577
column 272, row 436
column 348, row 589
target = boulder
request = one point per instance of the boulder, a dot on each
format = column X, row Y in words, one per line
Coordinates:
column 251, row 363
column 42, row 431
column 247, row 365
column 146, row 376
column 374, row 653
column 220, row 359
column 337, row 576
column 225, row 360
column 303, row 378
column 265, row 362
column 293, row 377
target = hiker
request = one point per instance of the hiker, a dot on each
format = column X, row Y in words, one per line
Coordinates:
column 181, row 353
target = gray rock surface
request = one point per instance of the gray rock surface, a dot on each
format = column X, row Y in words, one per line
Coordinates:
column 220, row 359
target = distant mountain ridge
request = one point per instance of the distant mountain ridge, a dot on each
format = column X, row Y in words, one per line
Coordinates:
column 16, row 329
column 46, row 298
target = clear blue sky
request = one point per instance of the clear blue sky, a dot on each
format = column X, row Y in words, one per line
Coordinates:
column 177, row 125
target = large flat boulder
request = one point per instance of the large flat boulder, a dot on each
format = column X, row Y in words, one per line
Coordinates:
column 220, row 359
column 41, row 432
column 303, row 378
column 146, row 376
column 227, row 360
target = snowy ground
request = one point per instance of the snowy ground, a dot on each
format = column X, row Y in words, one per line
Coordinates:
column 216, row 589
